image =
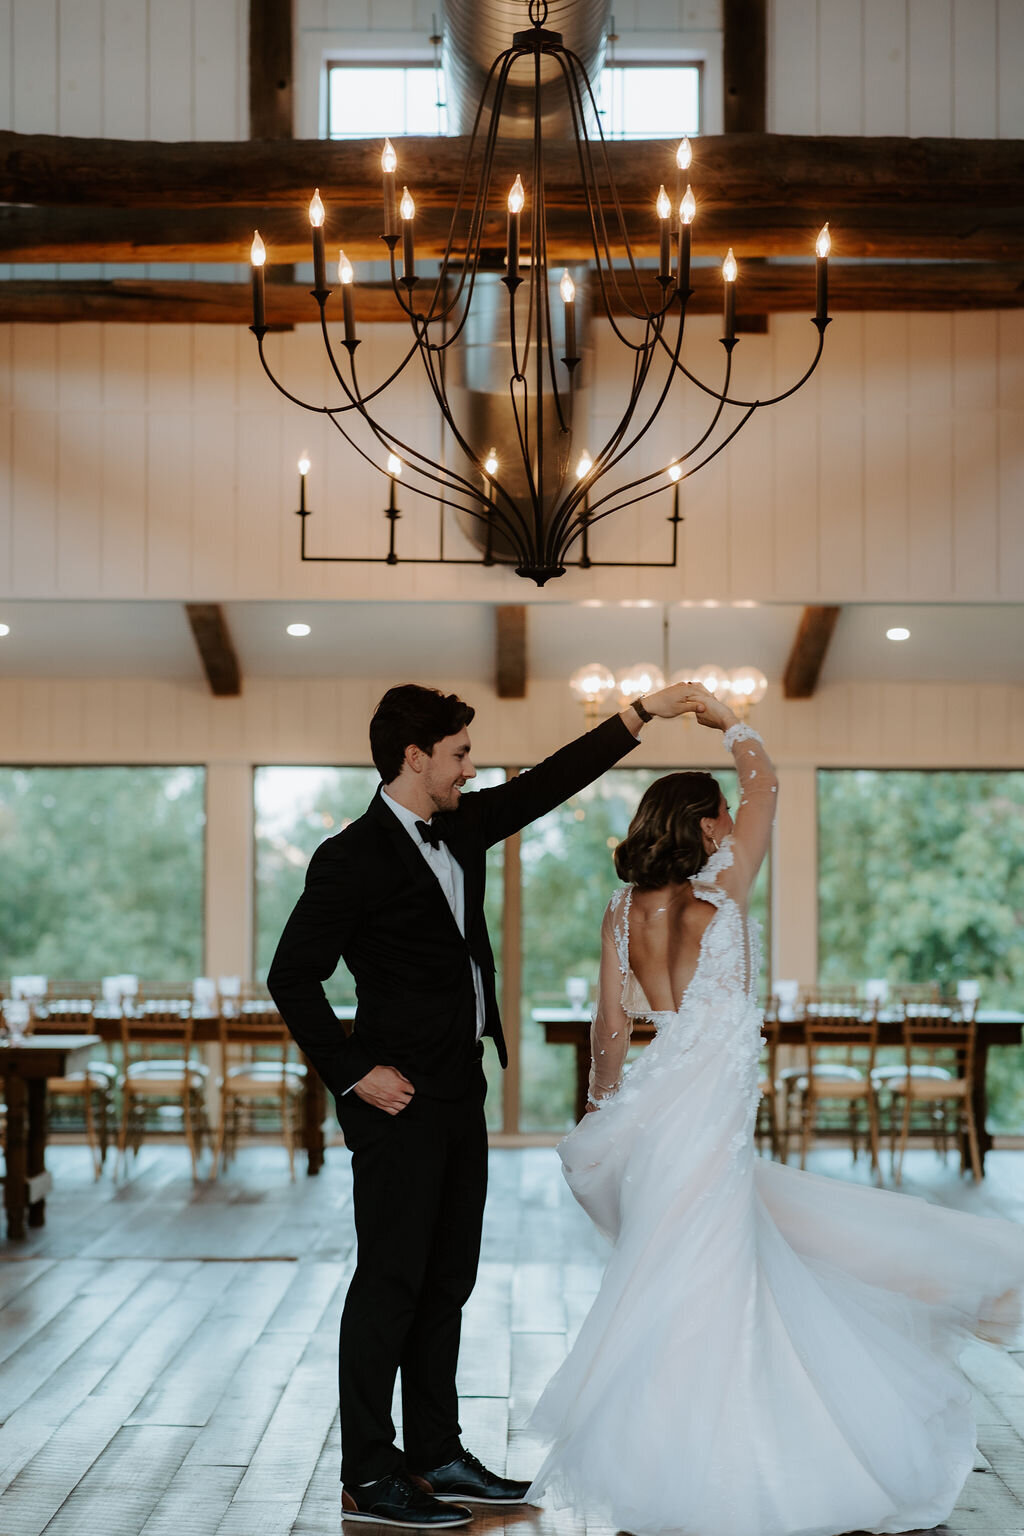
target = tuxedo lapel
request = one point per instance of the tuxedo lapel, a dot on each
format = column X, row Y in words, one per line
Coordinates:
column 412, row 861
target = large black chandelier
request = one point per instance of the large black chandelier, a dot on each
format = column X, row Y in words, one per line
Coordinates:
column 522, row 484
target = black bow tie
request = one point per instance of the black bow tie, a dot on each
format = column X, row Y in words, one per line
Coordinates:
column 430, row 834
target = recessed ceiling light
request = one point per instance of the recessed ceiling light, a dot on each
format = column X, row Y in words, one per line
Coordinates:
column 897, row 633
column 298, row 629
column 5, row 629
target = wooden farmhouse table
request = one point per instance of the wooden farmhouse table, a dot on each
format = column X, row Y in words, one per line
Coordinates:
column 570, row 1026
column 24, row 1068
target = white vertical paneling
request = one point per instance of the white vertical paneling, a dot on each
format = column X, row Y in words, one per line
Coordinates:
column 793, row 80
column 79, row 461
column 885, row 454
column 1011, row 453
column 930, row 68
column 212, row 492
column 170, row 76
column 975, row 456
column 840, row 66
column 80, row 102
column 885, row 67
column 748, row 469
column 35, row 427
column 974, row 69
column 7, row 64
column 795, row 480
column 6, row 457
column 1010, row 70
column 34, row 54
column 841, row 459
column 125, row 74
column 221, row 83
column 169, row 452
column 930, row 456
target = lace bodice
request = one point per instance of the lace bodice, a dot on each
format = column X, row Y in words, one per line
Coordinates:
column 721, row 994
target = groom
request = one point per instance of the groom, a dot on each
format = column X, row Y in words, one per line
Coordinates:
column 399, row 895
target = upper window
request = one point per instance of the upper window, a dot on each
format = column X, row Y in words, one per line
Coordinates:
column 650, row 101
column 366, row 101
column 636, row 101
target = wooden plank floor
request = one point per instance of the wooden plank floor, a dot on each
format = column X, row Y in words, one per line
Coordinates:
column 167, row 1350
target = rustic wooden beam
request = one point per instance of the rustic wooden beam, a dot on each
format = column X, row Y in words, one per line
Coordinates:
column 810, row 648
column 510, row 650
column 820, row 175
column 934, row 286
column 744, row 65
column 216, row 651
column 745, row 79
column 271, row 86
column 913, row 231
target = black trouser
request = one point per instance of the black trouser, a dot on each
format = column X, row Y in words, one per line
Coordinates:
column 419, row 1180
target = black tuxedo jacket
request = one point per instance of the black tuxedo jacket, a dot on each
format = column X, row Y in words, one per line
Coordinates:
column 372, row 899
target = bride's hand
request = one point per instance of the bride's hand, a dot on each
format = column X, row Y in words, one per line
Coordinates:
column 690, row 698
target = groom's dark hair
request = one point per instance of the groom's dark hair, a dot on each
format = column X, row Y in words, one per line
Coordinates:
column 413, row 716
column 664, row 844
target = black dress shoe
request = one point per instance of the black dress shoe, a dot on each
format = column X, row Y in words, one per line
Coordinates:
column 399, row 1500
column 469, row 1481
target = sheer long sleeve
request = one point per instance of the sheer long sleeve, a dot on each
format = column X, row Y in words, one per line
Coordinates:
column 752, row 831
column 610, row 1031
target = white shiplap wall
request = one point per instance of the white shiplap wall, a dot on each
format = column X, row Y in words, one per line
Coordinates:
column 159, row 462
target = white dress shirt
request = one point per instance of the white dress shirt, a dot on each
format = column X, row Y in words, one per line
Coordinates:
column 450, row 877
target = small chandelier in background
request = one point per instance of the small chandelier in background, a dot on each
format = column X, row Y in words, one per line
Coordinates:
column 601, row 691
column 535, row 510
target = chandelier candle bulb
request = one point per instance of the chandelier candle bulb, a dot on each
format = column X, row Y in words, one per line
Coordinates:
column 516, row 199
column 729, row 270
column 684, row 155
column 346, row 277
column 388, row 166
column 407, row 209
column 664, row 210
column 316, row 219
column 822, row 246
column 567, row 288
column 687, row 210
column 303, row 472
column 258, row 257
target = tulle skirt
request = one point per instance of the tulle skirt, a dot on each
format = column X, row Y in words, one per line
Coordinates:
column 771, row 1353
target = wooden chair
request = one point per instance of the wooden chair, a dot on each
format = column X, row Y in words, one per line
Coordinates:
column 257, row 1072
column 152, row 1081
column 916, row 994
column 829, row 998
column 936, row 1082
column 835, row 1094
column 94, row 1085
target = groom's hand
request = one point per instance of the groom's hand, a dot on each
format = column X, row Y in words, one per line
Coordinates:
column 385, row 1088
column 684, row 698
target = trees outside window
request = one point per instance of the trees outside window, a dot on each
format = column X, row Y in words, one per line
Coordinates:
column 103, row 872
column 921, row 878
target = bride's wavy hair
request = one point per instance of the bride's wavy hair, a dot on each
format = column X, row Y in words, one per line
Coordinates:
column 664, row 844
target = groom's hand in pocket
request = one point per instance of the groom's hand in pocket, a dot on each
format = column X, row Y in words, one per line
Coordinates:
column 385, row 1088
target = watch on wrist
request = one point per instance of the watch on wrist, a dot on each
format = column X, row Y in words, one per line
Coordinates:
column 642, row 711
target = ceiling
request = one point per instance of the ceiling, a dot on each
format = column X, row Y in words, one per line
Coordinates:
column 948, row 643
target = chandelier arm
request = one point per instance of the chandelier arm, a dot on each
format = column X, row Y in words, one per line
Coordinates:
column 774, row 399
column 656, row 490
column 585, row 156
column 320, row 410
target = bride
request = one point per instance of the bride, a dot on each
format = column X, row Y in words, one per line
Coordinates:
column 770, row 1353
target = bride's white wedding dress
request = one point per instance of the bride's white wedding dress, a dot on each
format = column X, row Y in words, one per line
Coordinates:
column 771, row 1353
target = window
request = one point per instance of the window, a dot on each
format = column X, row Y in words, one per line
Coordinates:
column 296, row 809
column 103, row 872
column 650, row 101
column 921, row 878
column 376, row 100
column 568, row 876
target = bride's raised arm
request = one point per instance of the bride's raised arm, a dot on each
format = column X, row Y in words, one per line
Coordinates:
column 758, row 785
column 610, row 1031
